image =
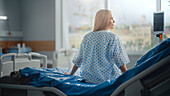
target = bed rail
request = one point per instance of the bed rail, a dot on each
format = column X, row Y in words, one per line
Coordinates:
column 25, row 90
column 11, row 62
column 137, row 87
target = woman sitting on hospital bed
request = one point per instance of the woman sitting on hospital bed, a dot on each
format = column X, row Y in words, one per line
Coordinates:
column 101, row 52
column 73, row 85
column 102, row 59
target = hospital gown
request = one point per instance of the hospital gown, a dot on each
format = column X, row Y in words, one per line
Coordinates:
column 100, row 56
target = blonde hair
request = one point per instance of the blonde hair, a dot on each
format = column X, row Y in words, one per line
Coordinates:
column 102, row 19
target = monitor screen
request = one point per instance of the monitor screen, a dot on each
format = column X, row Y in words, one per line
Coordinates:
column 158, row 24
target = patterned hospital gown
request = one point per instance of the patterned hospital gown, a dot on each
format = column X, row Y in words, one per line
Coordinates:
column 100, row 55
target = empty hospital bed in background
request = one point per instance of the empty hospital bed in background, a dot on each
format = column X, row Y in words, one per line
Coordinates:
column 15, row 61
column 63, row 58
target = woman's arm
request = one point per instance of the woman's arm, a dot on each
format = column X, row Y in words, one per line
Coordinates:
column 74, row 70
column 123, row 68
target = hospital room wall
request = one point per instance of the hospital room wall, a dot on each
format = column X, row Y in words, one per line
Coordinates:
column 38, row 19
column 11, row 9
column 38, row 25
column 34, row 19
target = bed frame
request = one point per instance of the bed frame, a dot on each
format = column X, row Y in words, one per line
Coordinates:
column 154, row 81
column 25, row 90
column 15, row 61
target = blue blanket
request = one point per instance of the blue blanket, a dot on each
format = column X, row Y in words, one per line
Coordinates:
column 74, row 85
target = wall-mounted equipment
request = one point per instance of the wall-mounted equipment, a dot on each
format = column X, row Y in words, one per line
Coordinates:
column 9, row 33
column 158, row 24
column 6, row 18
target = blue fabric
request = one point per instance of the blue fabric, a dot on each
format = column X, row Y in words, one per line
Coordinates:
column 100, row 55
column 160, row 47
column 73, row 85
column 23, row 50
column 1, row 54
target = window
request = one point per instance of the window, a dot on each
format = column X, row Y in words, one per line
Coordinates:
column 134, row 23
column 166, row 9
column 81, row 15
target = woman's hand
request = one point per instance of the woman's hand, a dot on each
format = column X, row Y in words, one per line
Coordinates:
column 67, row 73
column 123, row 68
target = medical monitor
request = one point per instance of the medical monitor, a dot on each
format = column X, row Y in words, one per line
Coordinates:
column 158, row 22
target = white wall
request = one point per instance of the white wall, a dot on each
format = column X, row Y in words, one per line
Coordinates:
column 3, row 12
column 38, row 20
column 10, row 8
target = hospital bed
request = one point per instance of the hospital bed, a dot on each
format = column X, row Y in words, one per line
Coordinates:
column 154, row 81
column 150, row 77
column 62, row 58
column 15, row 61
column 139, row 85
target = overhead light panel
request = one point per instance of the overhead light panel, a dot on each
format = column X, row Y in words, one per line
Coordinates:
column 3, row 17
